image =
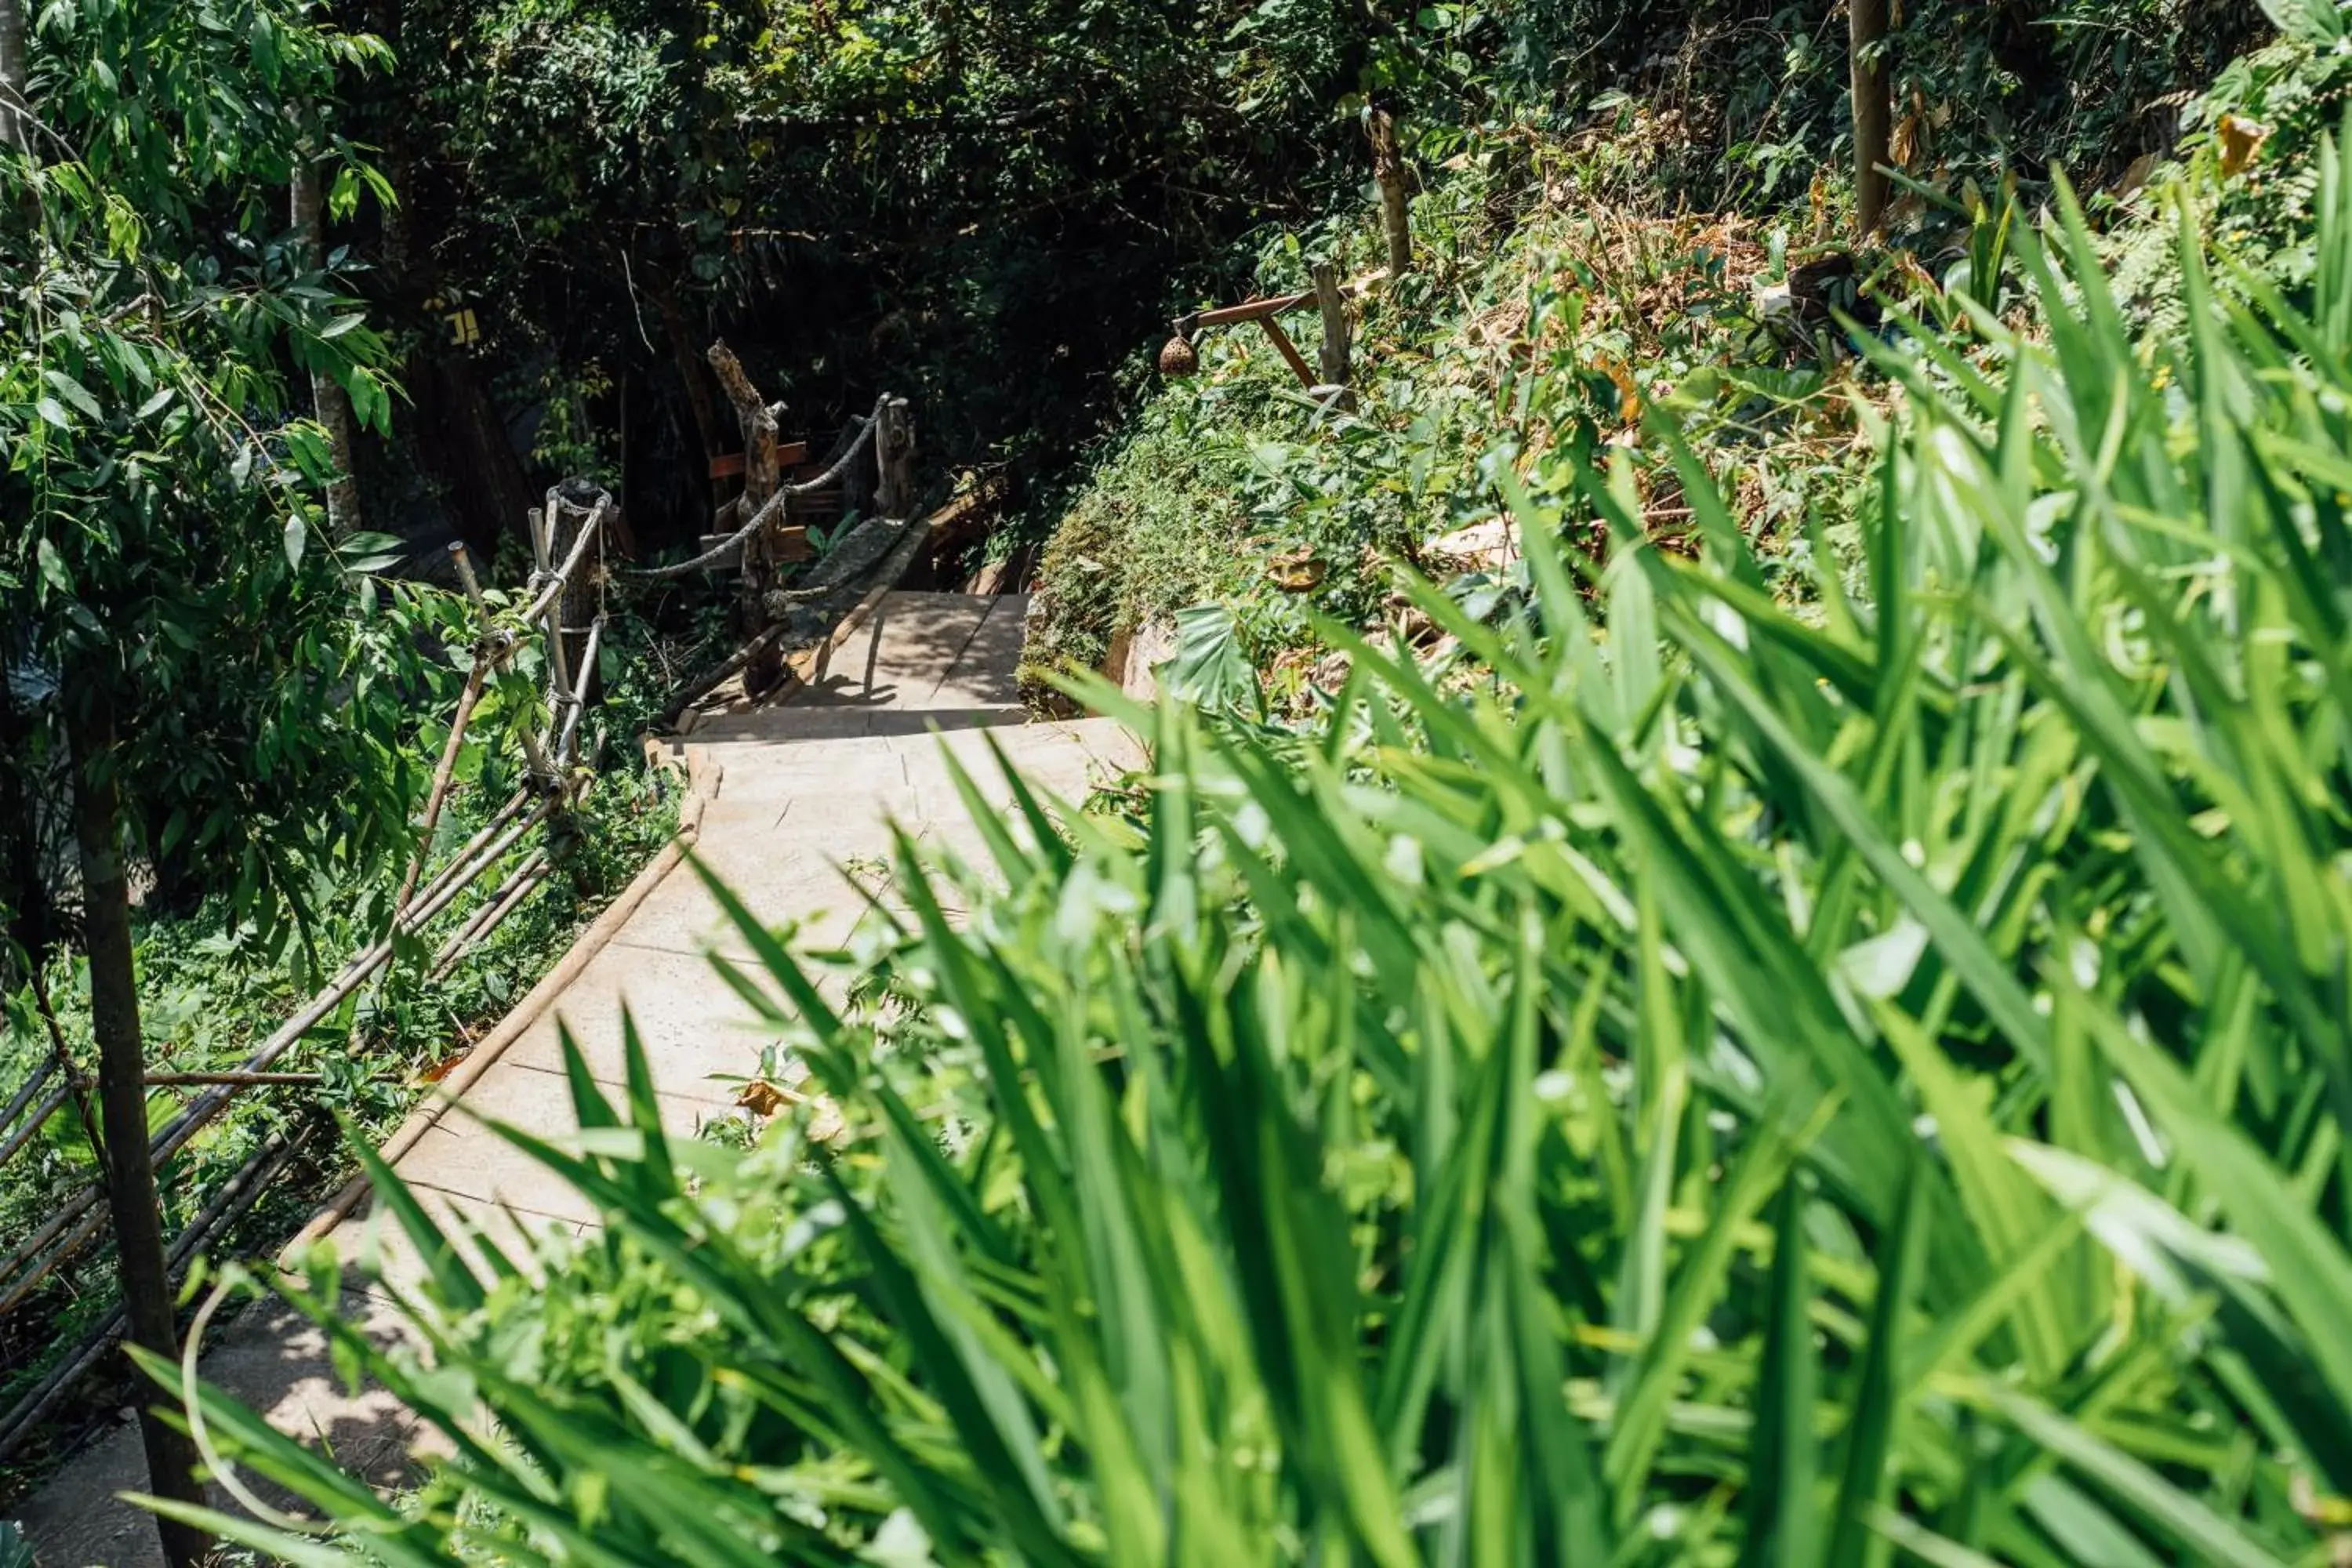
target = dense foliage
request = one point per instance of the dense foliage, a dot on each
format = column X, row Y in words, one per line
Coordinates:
column 1741, row 1085
column 973, row 205
column 992, row 208
column 1845, row 1054
column 163, row 552
column 203, row 690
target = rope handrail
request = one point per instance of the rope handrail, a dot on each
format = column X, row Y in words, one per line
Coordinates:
column 718, row 552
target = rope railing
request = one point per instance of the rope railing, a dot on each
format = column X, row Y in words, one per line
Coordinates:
column 720, row 553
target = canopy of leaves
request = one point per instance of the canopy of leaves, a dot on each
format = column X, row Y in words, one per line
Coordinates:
column 163, row 538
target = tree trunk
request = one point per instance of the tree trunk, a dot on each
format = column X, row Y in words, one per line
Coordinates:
column 1873, row 110
column 328, row 401
column 689, row 371
column 1396, row 200
column 460, row 440
column 16, row 79
column 123, row 1098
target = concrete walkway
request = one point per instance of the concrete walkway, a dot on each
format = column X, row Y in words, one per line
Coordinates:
column 803, row 790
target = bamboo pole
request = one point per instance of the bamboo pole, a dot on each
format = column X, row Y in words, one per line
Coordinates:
column 559, row 660
column 568, row 737
column 241, row 1191
column 241, row 1079
column 200, row 1111
column 552, row 586
column 498, row 820
column 466, row 578
column 705, row 776
column 90, row 1217
column 510, row 893
column 25, row 1095
column 41, row 1118
column 442, row 770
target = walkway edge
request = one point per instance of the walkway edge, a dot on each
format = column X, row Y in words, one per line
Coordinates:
column 703, row 775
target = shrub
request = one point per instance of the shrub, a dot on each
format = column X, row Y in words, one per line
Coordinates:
column 1726, row 1088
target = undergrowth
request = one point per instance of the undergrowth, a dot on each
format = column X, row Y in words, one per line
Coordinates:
column 1539, row 318
column 1557, row 303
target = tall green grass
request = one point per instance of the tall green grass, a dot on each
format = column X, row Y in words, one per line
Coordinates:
column 1748, row 1086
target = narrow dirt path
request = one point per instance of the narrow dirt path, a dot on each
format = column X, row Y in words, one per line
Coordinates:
column 802, row 789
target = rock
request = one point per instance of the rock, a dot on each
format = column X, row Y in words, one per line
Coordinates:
column 1482, row 547
column 1147, row 648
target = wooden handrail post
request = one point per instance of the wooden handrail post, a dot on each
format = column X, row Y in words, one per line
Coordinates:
column 893, row 460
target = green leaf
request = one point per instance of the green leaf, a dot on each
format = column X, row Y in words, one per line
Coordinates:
column 1876, row 1404
column 55, row 578
column 2209, row 1537
column 74, row 392
column 295, row 533
column 1208, row 668
column 1778, row 1506
column 2309, row 21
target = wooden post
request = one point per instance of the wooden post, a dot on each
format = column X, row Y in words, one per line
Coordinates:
column 1332, row 361
column 577, row 606
column 1873, row 110
column 762, row 472
column 1396, row 200
column 893, row 460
